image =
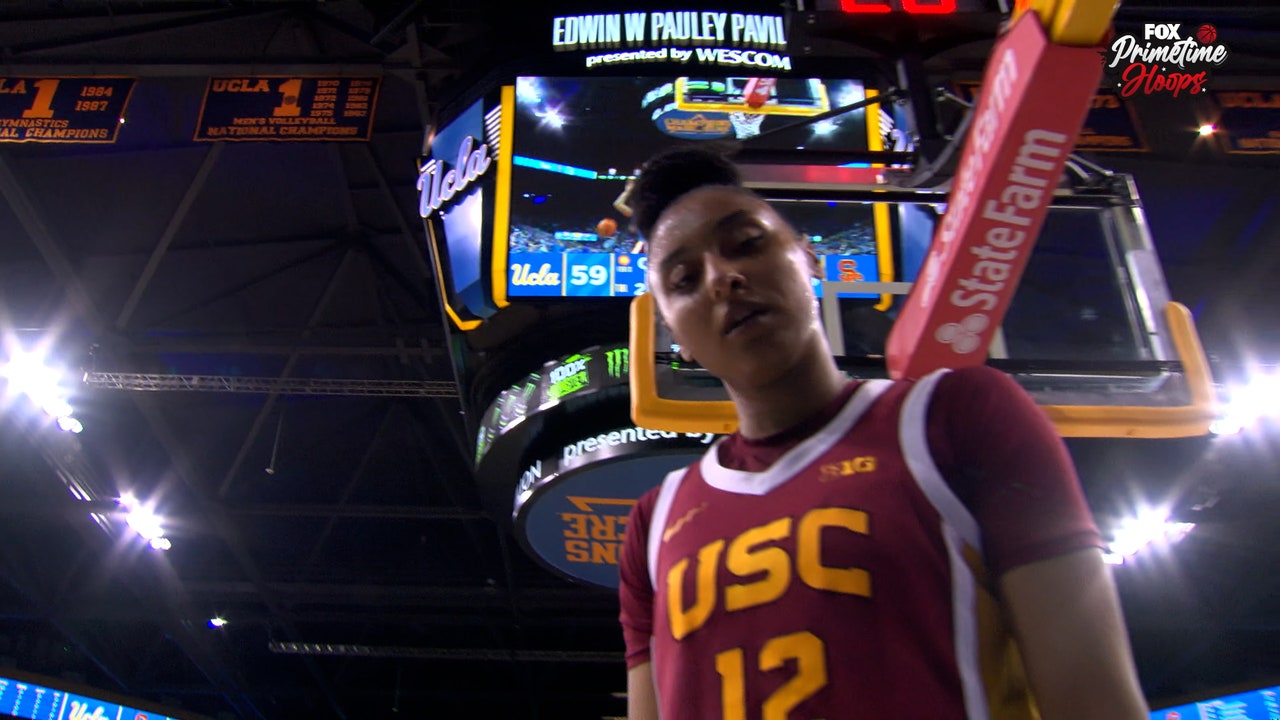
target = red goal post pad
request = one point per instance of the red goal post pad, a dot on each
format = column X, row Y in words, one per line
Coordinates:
column 1026, row 122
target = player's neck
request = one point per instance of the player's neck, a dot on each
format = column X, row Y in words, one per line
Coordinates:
column 808, row 387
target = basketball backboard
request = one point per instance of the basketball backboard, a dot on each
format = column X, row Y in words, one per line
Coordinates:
column 1092, row 333
column 756, row 95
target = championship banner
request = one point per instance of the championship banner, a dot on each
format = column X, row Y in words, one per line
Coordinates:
column 1250, row 120
column 289, row 109
column 1025, row 125
column 1111, row 125
column 62, row 109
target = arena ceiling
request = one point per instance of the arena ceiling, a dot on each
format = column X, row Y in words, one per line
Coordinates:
column 342, row 535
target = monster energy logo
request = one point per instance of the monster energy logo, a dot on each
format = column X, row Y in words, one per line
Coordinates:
column 619, row 362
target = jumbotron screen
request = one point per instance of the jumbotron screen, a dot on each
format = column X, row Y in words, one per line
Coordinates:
column 1260, row 704
column 577, row 141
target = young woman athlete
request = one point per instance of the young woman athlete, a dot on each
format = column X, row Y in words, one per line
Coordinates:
column 856, row 550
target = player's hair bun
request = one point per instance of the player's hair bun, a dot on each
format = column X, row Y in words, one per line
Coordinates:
column 670, row 174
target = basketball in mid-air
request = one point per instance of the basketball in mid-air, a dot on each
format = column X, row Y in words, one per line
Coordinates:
column 607, row 227
column 1206, row 34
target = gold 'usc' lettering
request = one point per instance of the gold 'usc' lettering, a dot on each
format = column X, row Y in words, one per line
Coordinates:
column 750, row 554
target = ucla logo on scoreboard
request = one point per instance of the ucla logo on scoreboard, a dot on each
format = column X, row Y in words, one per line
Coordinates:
column 523, row 275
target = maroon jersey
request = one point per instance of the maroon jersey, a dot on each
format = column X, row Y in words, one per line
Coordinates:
column 848, row 573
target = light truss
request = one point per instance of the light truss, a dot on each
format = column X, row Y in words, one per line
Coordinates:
column 162, row 382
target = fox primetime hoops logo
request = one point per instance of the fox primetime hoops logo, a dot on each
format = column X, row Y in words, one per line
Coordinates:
column 1163, row 61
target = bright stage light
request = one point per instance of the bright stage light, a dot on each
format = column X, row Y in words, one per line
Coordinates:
column 528, row 91
column 847, row 93
column 1150, row 528
column 1207, row 129
column 56, row 407
column 824, row 127
column 553, row 118
column 144, row 521
column 27, row 374
column 1246, row 405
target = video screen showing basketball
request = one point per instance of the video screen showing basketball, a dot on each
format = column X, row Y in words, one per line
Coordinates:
column 578, row 141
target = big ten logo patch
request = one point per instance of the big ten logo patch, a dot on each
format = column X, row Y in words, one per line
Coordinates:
column 594, row 533
column 846, row 468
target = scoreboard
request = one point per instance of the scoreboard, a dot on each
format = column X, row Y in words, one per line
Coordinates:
column 576, row 274
column 598, row 274
column 578, row 142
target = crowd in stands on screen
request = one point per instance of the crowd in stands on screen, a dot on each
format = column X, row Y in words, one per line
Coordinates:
column 527, row 238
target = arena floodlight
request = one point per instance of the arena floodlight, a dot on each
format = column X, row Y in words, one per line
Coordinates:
column 1248, row 404
column 1148, row 529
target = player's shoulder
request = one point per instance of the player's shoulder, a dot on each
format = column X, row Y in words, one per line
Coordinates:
column 955, row 384
column 643, row 509
column 975, row 380
column 968, row 392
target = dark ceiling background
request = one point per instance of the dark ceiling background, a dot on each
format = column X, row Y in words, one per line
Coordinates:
column 342, row 535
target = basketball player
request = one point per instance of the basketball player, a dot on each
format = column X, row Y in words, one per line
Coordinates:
column 856, row 550
column 621, row 204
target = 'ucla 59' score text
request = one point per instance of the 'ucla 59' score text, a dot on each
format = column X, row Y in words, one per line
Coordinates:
column 575, row 274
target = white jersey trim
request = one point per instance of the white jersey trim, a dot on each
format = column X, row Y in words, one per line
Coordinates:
column 959, row 530
column 798, row 457
column 964, row 616
column 914, row 436
column 658, row 523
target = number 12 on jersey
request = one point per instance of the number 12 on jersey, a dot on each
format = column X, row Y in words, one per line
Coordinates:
column 588, row 274
column 810, row 655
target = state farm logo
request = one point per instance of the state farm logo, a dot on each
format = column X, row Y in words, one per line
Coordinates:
column 965, row 336
column 1163, row 61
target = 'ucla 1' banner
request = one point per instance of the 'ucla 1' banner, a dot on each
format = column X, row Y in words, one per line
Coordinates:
column 62, row 109
column 290, row 109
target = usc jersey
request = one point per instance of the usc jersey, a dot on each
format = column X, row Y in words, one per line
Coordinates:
column 847, row 571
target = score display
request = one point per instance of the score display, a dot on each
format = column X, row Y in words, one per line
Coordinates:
column 846, row 237
column 577, row 274
column 905, row 7
column 567, row 234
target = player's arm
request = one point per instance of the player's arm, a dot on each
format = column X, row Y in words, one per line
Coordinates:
column 1072, row 638
column 623, row 202
column 635, row 595
column 1042, row 545
column 642, row 701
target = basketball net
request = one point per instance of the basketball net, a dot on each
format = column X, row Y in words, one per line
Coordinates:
column 746, row 125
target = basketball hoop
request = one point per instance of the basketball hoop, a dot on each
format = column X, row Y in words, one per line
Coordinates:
column 745, row 124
